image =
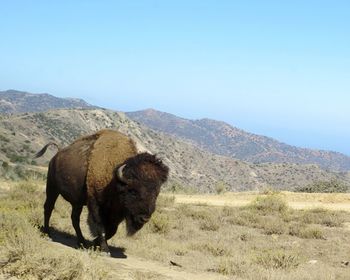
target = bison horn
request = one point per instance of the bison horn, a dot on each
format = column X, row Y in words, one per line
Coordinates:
column 120, row 174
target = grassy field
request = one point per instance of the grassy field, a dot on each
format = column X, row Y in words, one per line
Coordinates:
column 330, row 201
column 263, row 237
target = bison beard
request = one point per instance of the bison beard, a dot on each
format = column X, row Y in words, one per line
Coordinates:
column 132, row 226
column 104, row 172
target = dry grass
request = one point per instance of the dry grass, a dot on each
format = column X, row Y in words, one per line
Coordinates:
column 26, row 254
column 263, row 240
column 258, row 241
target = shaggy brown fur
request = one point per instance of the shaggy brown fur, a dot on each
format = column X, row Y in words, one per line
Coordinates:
column 85, row 173
column 111, row 149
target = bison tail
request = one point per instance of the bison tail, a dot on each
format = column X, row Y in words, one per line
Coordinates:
column 43, row 150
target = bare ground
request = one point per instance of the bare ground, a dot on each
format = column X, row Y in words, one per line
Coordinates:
column 331, row 201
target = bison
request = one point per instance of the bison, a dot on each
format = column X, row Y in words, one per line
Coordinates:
column 105, row 172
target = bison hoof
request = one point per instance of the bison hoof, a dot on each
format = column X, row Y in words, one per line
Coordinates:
column 83, row 244
column 45, row 230
column 105, row 254
column 102, row 246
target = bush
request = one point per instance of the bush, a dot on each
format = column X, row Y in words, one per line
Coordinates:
column 231, row 266
column 220, row 188
column 216, row 249
column 333, row 186
column 5, row 165
column 323, row 217
column 305, row 231
column 15, row 158
column 269, row 204
column 273, row 225
column 176, row 188
column 277, row 259
column 159, row 223
column 244, row 217
column 210, row 224
column 311, row 232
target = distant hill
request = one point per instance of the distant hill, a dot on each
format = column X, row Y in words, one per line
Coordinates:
column 223, row 139
column 201, row 154
column 13, row 102
column 22, row 135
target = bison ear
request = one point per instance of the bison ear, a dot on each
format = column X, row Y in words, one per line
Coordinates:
column 120, row 175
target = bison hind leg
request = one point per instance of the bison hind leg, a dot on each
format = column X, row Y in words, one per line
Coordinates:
column 51, row 197
column 76, row 211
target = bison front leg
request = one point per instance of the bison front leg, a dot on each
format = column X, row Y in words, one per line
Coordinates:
column 96, row 226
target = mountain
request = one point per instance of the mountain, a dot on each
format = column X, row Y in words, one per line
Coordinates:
column 223, row 139
column 13, row 102
column 22, row 135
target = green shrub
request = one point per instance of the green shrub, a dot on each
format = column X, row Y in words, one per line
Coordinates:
column 4, row 139
column 5, row 165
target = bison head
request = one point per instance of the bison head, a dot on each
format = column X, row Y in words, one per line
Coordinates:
column 141, row 176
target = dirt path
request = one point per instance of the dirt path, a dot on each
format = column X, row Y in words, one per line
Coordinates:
column 294, row 200
column 153, row 270
column 136, row 268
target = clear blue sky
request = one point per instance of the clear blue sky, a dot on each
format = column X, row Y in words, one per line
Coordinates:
column 278, row 68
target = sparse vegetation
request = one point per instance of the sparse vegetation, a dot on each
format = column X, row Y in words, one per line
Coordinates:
column 159, row 223
column 26, row 254
column 277, row 259
column 220, row 187
column 18, row 172
column 193, row 169
column 265, row 239
column 332, row 186
column 269, row 204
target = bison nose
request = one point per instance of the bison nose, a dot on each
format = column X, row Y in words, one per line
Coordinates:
column 143, row 219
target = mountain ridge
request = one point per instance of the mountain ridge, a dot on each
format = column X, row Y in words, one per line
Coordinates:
column 14, row 102
column 221, row 138
column 214, row 136
column 22, row 135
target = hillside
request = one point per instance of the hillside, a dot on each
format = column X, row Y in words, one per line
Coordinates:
column 13, row 101
column 191, row 167
column 223, row 139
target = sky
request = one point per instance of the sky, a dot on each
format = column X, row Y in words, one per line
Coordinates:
column 276, row 68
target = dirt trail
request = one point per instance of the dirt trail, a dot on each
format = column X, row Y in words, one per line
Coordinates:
column 294, row 200
column 127, row 268
column 155, row 270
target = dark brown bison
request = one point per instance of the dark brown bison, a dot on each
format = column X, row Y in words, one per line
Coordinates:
column 104, row 172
